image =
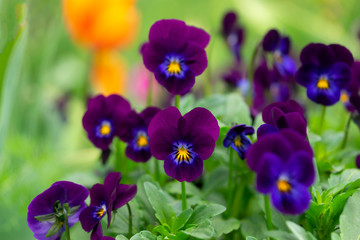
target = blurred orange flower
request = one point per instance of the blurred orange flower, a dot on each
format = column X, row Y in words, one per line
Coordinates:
column 102, row 24
column 108, row 74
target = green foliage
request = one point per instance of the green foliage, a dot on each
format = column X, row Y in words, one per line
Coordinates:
column 350, row 218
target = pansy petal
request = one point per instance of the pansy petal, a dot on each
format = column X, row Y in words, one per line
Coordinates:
column 161, row 142
column 198, row 36
column 110, row 183
column 270, row 170
column 294, row 202
column 284, row 45
column 229, row 22
column 293, row 121
column 307, row 74
column 203, row 144
column 166, row 117
column 342, row 54
column 287, row 66
column 265, row 129
column 148, row 114
column 195, row 58
column 184, row 171
column 201, row 118
column 97, row 233
column 301, row 168
column 137, row 155
column 297, row 141
column 318, row 54
column 98, row 195
column 124, row 194
column 340, row 74
column 75, row 194
column 325, row 97
column 152, row 58
column 271, row 40
column 88, row 219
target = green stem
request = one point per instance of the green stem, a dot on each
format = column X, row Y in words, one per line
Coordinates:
column 66, row 223
column 157, row 172
column 268, row 213
column 149, row 97
column 346, row 132
column 230, row 180
column 322, row 118
column 177, row 101
column 130, row 220
column 120, row 161
column 183, row 196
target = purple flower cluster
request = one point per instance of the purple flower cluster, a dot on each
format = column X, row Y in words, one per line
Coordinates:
column 233, row 33
column 183, row 141
column 175, row 54
column 283, row 162
column 237, row 139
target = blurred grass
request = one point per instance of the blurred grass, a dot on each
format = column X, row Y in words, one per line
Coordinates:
column 41, row 64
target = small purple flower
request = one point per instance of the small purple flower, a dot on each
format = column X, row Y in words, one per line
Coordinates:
column 282, row 115
column 104, row 198
column 279, row 46
column 103, row 119
column 46, row 209
column 233, row 33
column 175, row 54
column 283, row 162
column 237, row 139
column 137, row 136
column 183, row 141
column 238, row 80
column 325, row 71
column 352, row 88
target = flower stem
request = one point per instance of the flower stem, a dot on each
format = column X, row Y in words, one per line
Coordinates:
column 149, row 96
column 230, row 180
column 268, row 213
column 252, row 69
column 130, row 220
column 177, row 101
column 322, row 118
column 157, row 172
column 183, row 196
column 346, row 132
column 66, row 223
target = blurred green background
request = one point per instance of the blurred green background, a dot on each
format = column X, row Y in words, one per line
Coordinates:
column 40, row 65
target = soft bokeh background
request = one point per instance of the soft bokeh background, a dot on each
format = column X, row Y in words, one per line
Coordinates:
column 45, row 81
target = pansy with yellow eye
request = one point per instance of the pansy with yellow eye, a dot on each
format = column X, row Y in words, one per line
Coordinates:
column 237, row 139
column 325, row 72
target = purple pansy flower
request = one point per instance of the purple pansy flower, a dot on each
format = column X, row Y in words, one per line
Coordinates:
column 352, row 88
column 183, row 141
column 51, row 203
column 233, row 33
column 238, row 80
column 104, row 198
column 103, row 119
column 279, row 46
column 175, row 54
column 137, row 136
column 282, row 115
column 325, row 71
column 283, row 162
column 237, row 139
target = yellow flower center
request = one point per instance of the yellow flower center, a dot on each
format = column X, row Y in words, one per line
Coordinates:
column 142, row 141
column 101, row 212
column 237, row 141
column 105, row 129
column 344, row 98
column 174, row 67
column 323, row 83
column 283, row 186
column 183, row 155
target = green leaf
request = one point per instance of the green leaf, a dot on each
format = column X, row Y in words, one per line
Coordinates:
column 121, row 237
column 181, row 220
column 46, row 217
column 222, row 226
column 255, row 225
column 204, row 212
column 158, row 200
column 335, row 236
column 280, row 235
column 54, row 228
column 163, row 230
column 250, row 238
column 350, row 218
column 201, row 231
column 143, row 235
column 299, row 232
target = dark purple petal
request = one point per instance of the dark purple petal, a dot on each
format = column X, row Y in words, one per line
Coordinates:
column 325, row 97
column 353, row 87
column 111, row 182
column 184, row 171
column 301, row 168
column 297, row 141
column 286, row 107
column 355, row 101
column 195, row 58
column 287, row 66
column 137, row 155
column 308, row 74
column 265, row 129
column 175, row 85
column 97, row 233
column 357, row 161
column 229, row 22
column 161, row 142
column 201, row 118
column 148, row 114
column 292, row 121
column 269, row 171
column 203, row 143
column 98, row 195
column 339, row 74
column 318, row 54
column 342, row 54
column 124, row 194
column 284, row 45
column 271, row 40
column 88, row 219
column 152, row 58
column 199, row 36
column 294, row 202
column 166, row 117
column 75, row 194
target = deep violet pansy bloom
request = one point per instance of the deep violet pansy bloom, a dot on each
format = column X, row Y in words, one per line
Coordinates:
column 279, row 46
column 352, row 88
column 325, row 71
column 282, row 115
column 52, row 201
column 137, row 136
column 233, row 33
column 236, row 79
column 103, row 119
column 237, row 139
column 183, row 141
column 175, row 54
column 104, row 198
column 283, row 162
